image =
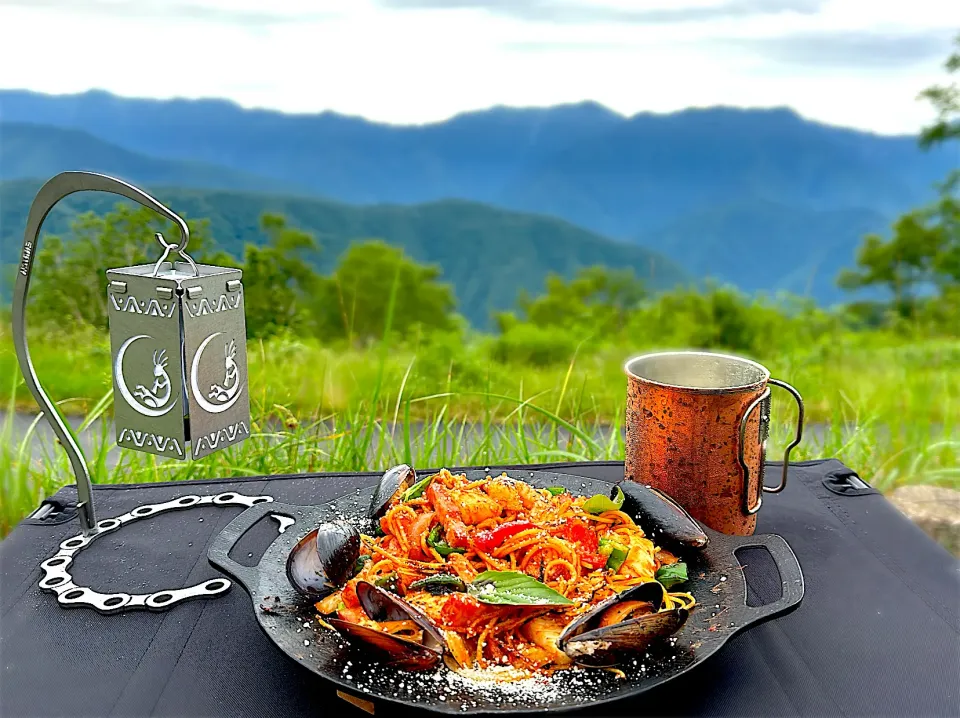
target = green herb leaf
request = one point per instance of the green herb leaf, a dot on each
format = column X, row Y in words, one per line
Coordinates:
column 599, row 503
column 439, row 545
column 416, row 491
column 439, row 584
column 672, row 575
column 556, row 490
column 360, row 562
column 513, row 588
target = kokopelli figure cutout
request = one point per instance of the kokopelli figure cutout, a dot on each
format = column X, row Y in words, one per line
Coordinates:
column 159, row 394
column 231, row 380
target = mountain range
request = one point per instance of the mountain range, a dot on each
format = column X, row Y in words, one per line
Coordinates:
column 764, row 199
column 488, row 254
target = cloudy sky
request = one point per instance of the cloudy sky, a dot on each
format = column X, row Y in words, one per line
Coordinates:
column 851, row 62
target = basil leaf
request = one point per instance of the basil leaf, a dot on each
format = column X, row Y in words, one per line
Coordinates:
column 599, row 503
column 672, row 575
column 556, row 490
column 512, row 588
column 439, row 545
column 416, row 491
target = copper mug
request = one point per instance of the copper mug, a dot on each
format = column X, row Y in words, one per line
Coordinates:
column 696, row 428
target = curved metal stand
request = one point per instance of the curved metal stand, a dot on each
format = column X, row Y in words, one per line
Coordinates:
column 53, row 191
column 57, row 579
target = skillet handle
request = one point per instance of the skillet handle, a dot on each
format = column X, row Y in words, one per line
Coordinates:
column 219, row 552
column 791, row 576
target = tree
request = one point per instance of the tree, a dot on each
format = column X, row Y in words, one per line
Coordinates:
column 278, row 281
column 923, row 255
column 902, row 264
column 597, row 298
column 946, row 214
column 69, row 283
column 356, row 300
column 946, row 101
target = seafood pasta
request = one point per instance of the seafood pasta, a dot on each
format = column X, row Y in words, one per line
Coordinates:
column 493, row 572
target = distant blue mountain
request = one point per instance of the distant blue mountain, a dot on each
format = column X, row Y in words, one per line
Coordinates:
column 40, row 151
column 745, row 180
column 489, row 255
column 769, row 247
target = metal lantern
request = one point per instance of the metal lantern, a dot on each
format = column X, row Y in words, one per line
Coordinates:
column 178, row 342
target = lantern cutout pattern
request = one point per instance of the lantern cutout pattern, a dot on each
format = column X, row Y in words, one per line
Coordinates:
column 178, row 343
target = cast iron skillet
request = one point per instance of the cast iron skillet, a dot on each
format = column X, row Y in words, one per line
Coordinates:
column 716, row 581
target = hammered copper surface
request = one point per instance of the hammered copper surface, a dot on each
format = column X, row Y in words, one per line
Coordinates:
column 684, row 442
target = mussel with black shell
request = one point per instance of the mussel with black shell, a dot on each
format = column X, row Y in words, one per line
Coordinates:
column 404, row 638
column 621, row 627
column 392, row 485
column 325, row 559
column 666, row 522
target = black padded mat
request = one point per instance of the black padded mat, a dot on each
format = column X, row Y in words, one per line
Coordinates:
column 878, row 632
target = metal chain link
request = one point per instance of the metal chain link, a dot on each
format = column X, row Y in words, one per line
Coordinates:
column 57, row 578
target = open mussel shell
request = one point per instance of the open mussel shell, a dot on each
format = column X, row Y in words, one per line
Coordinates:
column 389, row 649
column 381, row 605
column 611, row 645
column 591, row 644
column 399, row 651
column 393, row 482
column 667, row 523
column 324, row 559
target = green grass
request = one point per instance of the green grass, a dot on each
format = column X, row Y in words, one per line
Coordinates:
column 887, row 409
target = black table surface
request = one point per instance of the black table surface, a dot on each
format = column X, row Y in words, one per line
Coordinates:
column 877, row 632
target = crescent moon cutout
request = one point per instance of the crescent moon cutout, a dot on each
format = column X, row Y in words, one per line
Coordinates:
column 197, row 394
column 122, row 384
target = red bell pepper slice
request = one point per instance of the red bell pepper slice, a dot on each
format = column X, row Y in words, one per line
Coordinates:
column 486, row 541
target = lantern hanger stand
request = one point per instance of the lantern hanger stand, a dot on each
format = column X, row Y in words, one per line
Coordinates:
column 56, row 578
column 63, row 185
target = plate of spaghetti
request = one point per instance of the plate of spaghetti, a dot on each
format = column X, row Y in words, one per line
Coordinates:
column 500, row 592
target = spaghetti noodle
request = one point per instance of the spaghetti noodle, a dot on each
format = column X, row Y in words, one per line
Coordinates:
column 459, row 528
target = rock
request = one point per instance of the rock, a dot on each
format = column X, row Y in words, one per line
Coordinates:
column 934, row 509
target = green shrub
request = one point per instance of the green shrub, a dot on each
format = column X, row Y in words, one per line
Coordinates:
column 536, row 346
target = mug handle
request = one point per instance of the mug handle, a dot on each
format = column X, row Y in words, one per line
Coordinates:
column 747, row 508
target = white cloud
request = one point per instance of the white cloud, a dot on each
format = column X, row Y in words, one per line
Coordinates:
column 852, row 62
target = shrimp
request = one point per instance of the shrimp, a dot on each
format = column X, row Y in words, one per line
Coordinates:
column 448, row 512
column 474, row 507
column 515, row 496
column 504, row 492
